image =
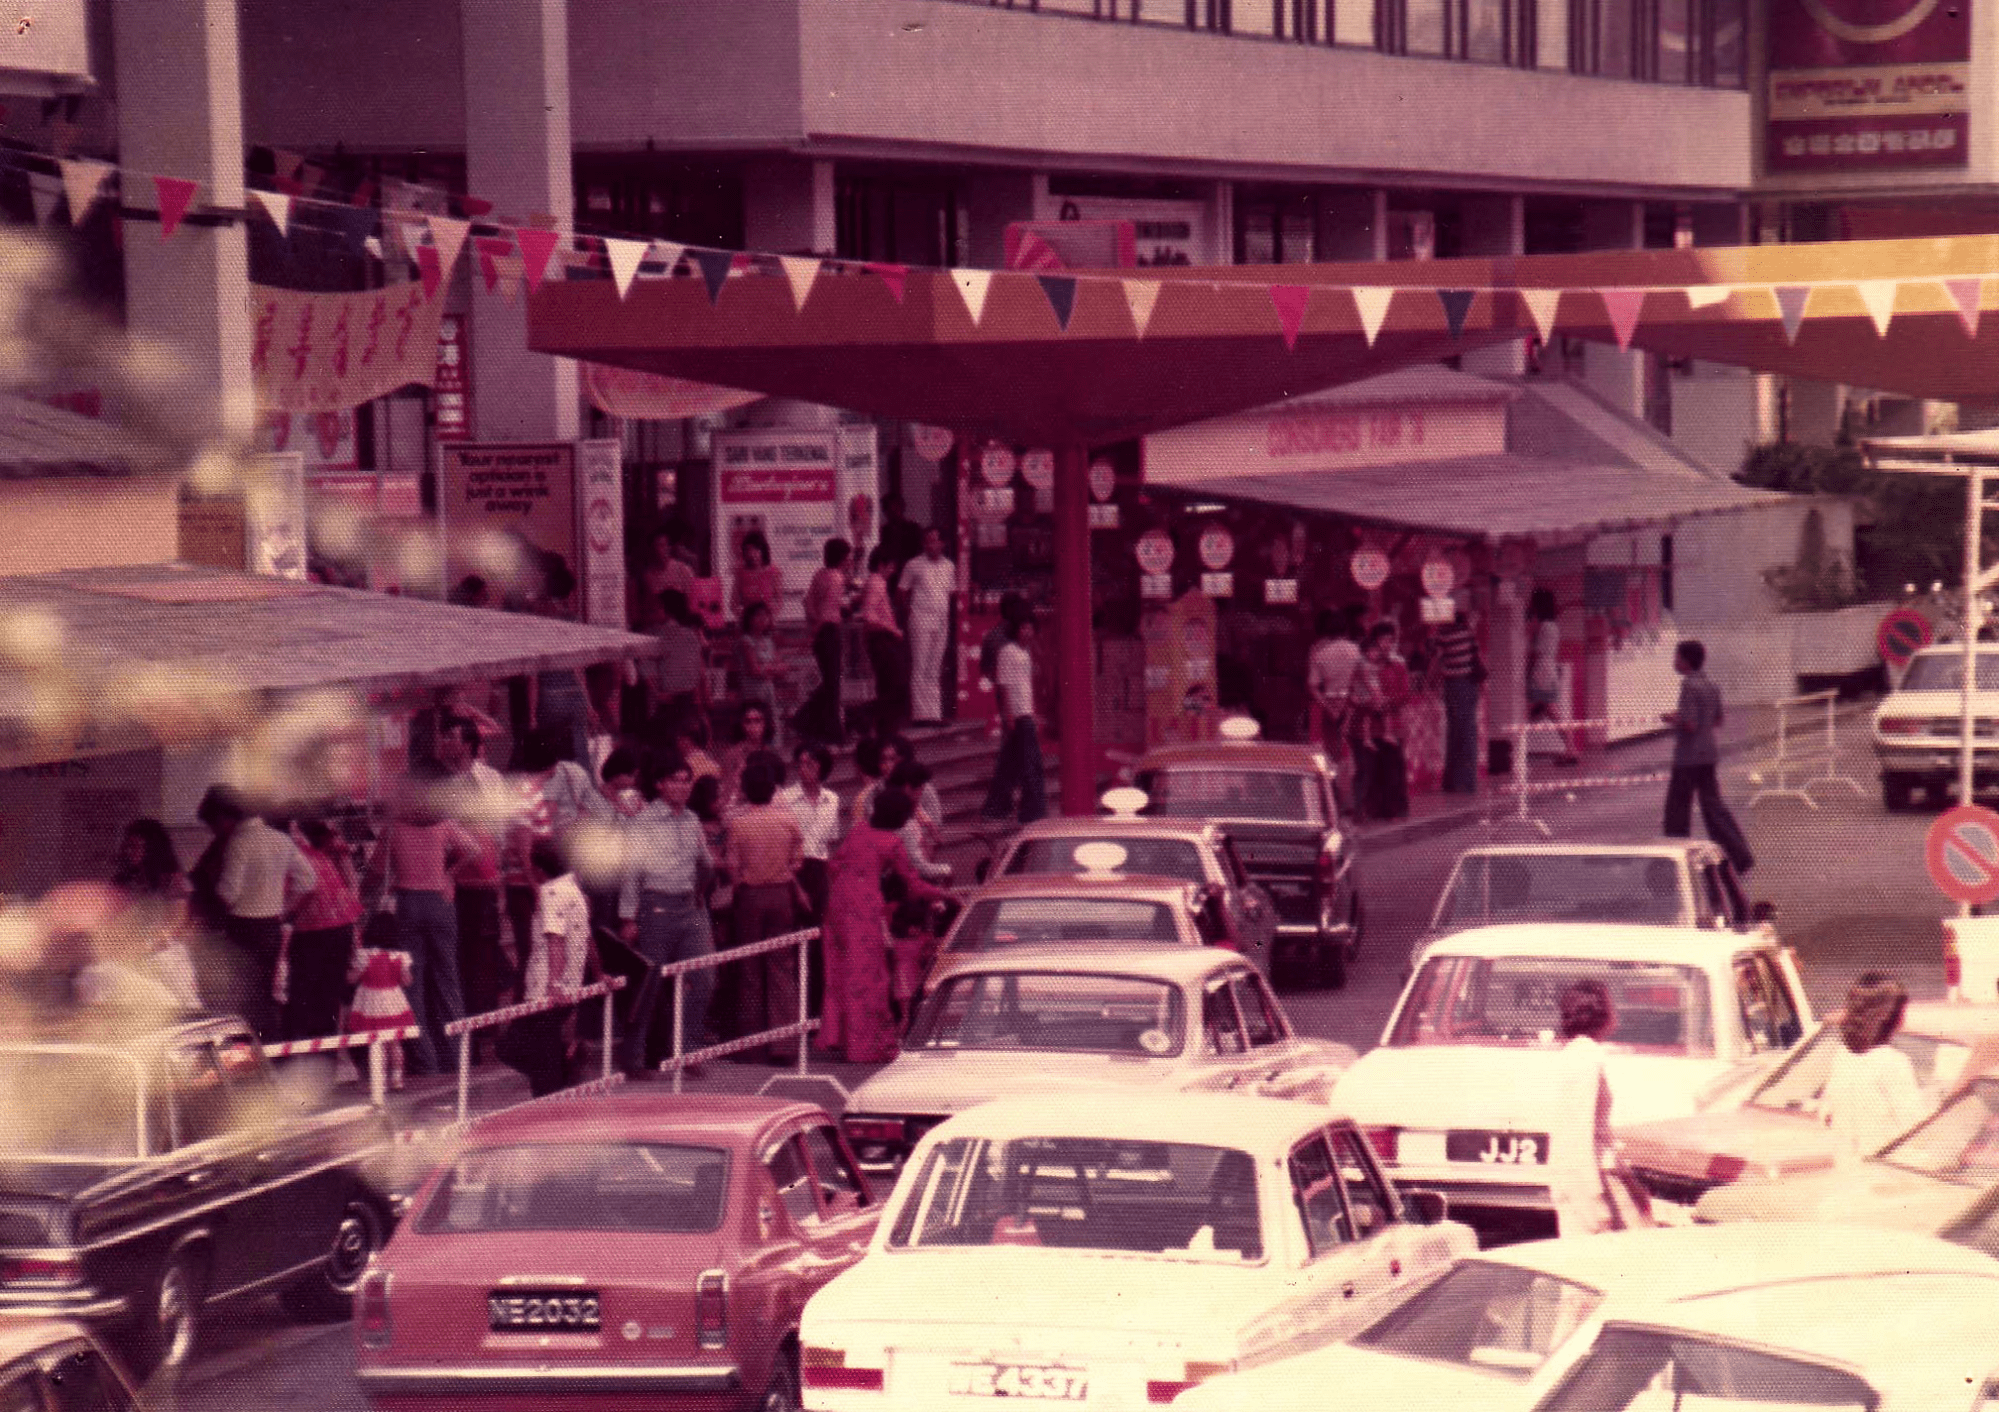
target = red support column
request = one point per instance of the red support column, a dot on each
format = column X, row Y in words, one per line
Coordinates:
column 1075, row 658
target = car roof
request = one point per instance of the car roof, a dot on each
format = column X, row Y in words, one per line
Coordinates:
column 1147, row 825
column 633, row 1113
column 1597, row 941
column 1210, row 1119
column 1666, row 1264
column 1658, row 848
column 21, row 1338
column 1259, row 754
column 80, row 1031
column 1155, row 960
column 1139, row 886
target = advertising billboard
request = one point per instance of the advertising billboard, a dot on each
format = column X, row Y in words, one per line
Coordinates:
column 1868, row 85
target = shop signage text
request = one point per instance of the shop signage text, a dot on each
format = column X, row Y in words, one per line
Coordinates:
column 1867, row 85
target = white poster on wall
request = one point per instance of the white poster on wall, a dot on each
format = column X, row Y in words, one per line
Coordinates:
column 1164, row 232
column 600, row 499
column 785, row 485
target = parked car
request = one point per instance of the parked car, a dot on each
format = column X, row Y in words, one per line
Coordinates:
column 54, row 1365
column 639, row 1245
column 1192, row 850
column 1493, row 1331
column 1278, row 805
column 1776, row 1131
column 1464, row 1093
column 1055, row 1020
column 1115, row 1251
column 1918, row 727
column 1084, row 911
column 170, row 1176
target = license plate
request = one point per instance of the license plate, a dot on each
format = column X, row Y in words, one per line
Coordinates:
column 1039, row 1380
column 543, row 1309
column 1504, row 1149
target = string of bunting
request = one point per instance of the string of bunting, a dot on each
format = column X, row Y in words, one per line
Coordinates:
column 416, row 224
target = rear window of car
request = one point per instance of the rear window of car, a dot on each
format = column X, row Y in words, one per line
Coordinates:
column 1491, row 888
column 69, row 1104
column 1496, row 1319
column 1151, row 857
column 1797, row 1086
column 1025, row 1010
column 1944, row 671
column 1018, row 921
column 650, row 1187
column 1516, row 1001
column 1204, row 793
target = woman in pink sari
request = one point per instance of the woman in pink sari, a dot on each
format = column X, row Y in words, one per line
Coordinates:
column 858, row 1022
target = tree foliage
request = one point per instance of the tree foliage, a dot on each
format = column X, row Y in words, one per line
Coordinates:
column 1910, row 528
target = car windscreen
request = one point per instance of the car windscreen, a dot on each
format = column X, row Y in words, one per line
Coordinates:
column 1491, row 888
column 1496, row 1319
column 1213, row 792
column 1150, row 857
column 1797, row 1086
column 1958, row 1143
column 1630, row 1369
column 1944, row 671
column 76, row 1104
column 660, row 1188
column 1172, row 1199
column 1659, row 1007
column 1053, row 1010
column 1019, row 921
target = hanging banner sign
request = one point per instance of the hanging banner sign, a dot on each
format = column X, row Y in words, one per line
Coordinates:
column 784, row 484
column 509, row 517
column 1037, row 468
column 1370, row 568
column 1217, row 547
column 1154, row 552
column 451, row 390
column 996, row 465
column 324, row 352
column 648, row 397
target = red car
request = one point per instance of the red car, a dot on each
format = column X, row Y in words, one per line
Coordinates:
column 639, row 1250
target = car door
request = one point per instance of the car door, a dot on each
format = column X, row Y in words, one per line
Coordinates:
column 775, row 1276
column 1325, row 1299
column 846, row 1220
column 1225, row 1058
column 1273, row 1052
column 296, row 1182
column 1256, row 915
column 210, row 1167
column 1396, row 1254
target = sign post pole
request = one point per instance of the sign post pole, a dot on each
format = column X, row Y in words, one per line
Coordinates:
column 1974, row 523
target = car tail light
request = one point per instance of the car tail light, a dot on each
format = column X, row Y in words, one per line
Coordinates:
column 1899, row 725
column 373, row 1324
column 827, row 1368
column 1723, row 1168
column 1162, row 1390
column 711, row 1309
column 1386, row 1142
column 1328, row 874
column 860, row 1130
column 1953, row 964
column 40, row 1270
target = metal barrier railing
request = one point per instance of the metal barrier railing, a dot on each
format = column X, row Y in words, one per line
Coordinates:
column 463, row 1030
column 1811, row 748
column 377, row 1042
column 1568, row 732
column 681, row 1058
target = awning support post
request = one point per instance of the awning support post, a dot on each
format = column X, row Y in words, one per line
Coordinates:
column 1075, row 661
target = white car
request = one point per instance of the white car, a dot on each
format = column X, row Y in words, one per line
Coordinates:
column 1482, row 1336
column 1918, row 729
column 1114, row 1251
column 1466, row 1094
column 1077, row 1018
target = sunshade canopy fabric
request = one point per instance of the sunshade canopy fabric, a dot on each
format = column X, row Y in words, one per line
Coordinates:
column 40, row 440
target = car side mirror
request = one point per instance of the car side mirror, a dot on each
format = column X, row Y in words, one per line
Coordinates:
column 1426, row 1208
column 1763, row 912
column 981, row 869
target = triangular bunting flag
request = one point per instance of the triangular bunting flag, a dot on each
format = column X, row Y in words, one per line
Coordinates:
column 1791, row 302
column 175, row 193
column 491, row 248
column 1623, row 307
column 275, row 204
column 373, row 246
column 973, row 287
column 449, row 237
column 473, row 207
column 714, row 266
column 44, row 193
column 364, row 194
column 508, row 268
column 1061, row 292
column 1290, row 301
column 1966, row 293
column 430, row 268
column 801, row 272
column 536, row 246
column 1143, row 297
column 625, row 257
column 1541, row 306
column 1457, row 303
column 1706, row 296
column 896, row 277
column 1371, row 303
column 668, row 253
column 84, row 183
column 1878, row 297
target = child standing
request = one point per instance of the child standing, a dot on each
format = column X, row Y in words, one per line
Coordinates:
column 378, row 974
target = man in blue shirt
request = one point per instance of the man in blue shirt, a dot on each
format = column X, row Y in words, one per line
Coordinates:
column 664, row 908
column 1695, row 755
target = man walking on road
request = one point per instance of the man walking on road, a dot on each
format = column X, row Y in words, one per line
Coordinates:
column 1695, row 755
column 928, row 582
column 1019, row 765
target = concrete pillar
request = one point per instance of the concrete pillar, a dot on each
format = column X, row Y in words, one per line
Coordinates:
column 517, row 157
column 1814, row 412
column 1075, row 656
column 180, row 113
column 1353, row 221
column 1491, row 226
column 1353, row 23
column 1221, row 224
column 1551, row 34
column 1506, row 657
column 788, row 206
column 1617, row 377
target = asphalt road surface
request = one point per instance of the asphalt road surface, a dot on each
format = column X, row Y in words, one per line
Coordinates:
column 1847, row 880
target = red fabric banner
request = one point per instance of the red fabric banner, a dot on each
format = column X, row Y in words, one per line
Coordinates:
column 323, row 352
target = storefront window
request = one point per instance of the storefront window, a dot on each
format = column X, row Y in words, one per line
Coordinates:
column 1481, row 31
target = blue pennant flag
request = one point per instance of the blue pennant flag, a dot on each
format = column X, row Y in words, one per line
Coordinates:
column 1061, row 292
column 714, row 269
column 1457, row 303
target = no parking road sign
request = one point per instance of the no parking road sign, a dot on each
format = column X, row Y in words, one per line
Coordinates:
column 1962, row 852
column 1903, row 633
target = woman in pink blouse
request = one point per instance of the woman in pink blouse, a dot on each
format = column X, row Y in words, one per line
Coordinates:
column 857, row 1022
column 322, row 936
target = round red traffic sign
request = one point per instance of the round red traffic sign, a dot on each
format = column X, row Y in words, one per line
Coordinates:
column 1037, row 468
column 1902, row 634
column 1154, row 552
column 1962, row 852
column 1369, row 567
column 1216, row 548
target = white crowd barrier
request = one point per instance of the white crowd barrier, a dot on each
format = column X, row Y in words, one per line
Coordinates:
column 1569, row 733
column 1807, row 754
column 464, row 1030
column 676, row 1064
column 375, row 1040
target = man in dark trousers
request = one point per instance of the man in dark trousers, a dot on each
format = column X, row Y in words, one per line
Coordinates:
column 1695, row 755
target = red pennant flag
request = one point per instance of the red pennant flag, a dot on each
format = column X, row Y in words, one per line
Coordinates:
column 1965, row 294
column 473, row 206
column 364, row 194
column 742, row 264
column 311, row 177
column 431, row 271
column 896, row 277
column 1623, row 306
column 491, row 248
column 536, row 246
column 175, row 193
column 289, row 185
column 1290, row 301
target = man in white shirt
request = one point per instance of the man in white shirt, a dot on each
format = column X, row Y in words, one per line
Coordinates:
column 928, row 581
column 538, row 1045
column 1019, row 765
column 259, row 865
column 817, row 810
column 1330, row 671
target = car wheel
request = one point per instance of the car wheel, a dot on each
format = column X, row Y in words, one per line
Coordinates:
column 327, row 1294
column 1895, row 792
column 782, row 1394
column 1356, row 924
column 171, row 1322
column 1332, row 953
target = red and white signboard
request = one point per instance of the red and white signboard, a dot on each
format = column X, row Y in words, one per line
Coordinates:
column 1370, row 567
column 996, row 465
column 1868, row 85
column 1902, row 634
column 1439, row 578
column 1962, row 853
column 1037, row 468
column 1103, row 480
column 785, row 484
column 932, row 443
column 1217, row 547
column 1154, row 551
